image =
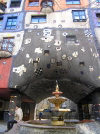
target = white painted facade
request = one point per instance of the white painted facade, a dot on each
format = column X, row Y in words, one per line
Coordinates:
column 62, row 19
column 18, row 38
column 14, row 9
column 94, row 4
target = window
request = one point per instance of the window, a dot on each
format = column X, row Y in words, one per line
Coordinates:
column 8, row 44
column 98, row 1
column 33, row 2
column 15, row 3
column 46, row 3
column 71, row 38
column 11, row 23
column 79, row 15
column 1, row 20
column 38, row 19
column 98, row 19
column 73, row 1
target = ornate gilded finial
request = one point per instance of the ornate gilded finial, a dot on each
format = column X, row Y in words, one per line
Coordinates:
column 57, row 93
column 57, row 87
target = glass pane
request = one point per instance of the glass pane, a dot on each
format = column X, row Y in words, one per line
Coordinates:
column 14, row 19
column 73, row 1
column 50, row 3
column 9, row 19
column 42, row 20
column 9, row 23
column 76, row 2
column 13, row 23
column 11, row 39
column 13, row 27
column 83, row 17
column 82, row 12
column 35, row 20
column 76, row 13
column 10, row 47
column 76, row 17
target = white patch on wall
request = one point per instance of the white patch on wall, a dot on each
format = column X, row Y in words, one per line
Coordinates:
column 91, row 69
column 47, row 35
column 69, row 58
column 57, row 43
column 29, row 30
column 30, row 60
column 38, row 50
column 65, row 34
column 27, row 55
column 99, row 77
column 37, row 59
column 27, row 41
column 75, row 54
column 47, row 32
column 77, row 43
column 47, row 39
column 91, row 50
column 83, row 49
column 15, row 86
column 58, row 48
column 95, row 55
column 20, row 70
column 64, row 56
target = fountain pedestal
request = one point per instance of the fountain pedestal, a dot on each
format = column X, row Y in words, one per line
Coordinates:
column 58, row 114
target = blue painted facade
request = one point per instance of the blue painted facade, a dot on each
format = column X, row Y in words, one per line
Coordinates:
column 19, row 23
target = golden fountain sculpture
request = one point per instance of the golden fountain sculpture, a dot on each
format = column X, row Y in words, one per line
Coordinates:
column 57, row 100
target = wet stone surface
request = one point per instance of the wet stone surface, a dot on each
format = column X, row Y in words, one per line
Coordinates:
column 88, row 128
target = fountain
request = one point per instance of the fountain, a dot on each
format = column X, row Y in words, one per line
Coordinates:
column 58, row 113
column 57, row 124
column 54, row 126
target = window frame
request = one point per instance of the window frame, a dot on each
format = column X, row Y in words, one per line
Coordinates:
column 71, row 38
column 14, row 2
column 72, row 2
column 8, row 44
column 11, row 23
column 98, row 19
column 38, row 19
column 79, row 14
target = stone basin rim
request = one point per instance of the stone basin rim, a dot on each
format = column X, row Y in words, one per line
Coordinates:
column 47, row 127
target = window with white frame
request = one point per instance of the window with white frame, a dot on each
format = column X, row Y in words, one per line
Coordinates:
column 8, row 44
column 72, row 1
column 15, row 3
column 79, row 15
column 38, row 19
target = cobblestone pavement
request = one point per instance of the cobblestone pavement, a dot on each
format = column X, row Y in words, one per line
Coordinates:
column 3, row 126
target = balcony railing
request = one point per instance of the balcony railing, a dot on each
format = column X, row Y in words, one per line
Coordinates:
column 47, row 6
column 6, row 49
column 2, row 7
